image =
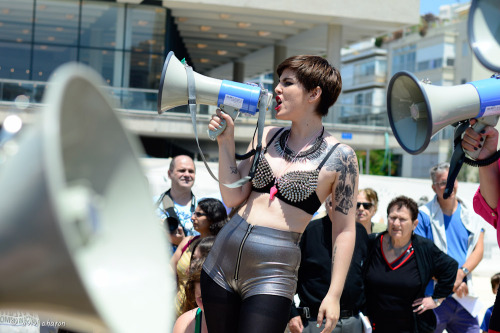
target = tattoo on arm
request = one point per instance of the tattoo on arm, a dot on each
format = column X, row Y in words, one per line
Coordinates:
column 344, row 162
column 234, row 170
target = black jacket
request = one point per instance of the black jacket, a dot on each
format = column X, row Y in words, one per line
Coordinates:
column 316, row 268
column 431, row 262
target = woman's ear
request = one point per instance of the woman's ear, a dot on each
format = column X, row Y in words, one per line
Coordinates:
column 315, row 94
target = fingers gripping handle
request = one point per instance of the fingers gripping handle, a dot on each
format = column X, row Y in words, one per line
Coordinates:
column 478, row 127
column 231, row 112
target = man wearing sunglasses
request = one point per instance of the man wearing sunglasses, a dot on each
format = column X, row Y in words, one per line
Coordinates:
column 456, row 231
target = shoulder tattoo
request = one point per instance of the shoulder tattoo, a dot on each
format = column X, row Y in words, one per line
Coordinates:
column 344, row 162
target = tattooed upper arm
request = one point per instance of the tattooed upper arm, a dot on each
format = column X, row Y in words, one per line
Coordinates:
column 345, row 163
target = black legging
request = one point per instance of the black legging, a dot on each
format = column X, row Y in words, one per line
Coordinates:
column 225, row 312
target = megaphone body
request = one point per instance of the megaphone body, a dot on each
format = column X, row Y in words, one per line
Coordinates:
column 417, row 110
column 79, row 241
column 483, row 27
column 232, row 97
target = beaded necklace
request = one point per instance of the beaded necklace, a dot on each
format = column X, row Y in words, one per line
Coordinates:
column 277, row 179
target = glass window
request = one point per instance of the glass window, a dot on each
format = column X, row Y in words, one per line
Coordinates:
column 368, row 98
column 15, row 61
column 144, row 70
column 358, row 99
column 106, row 62
column 56, row 22
column 450, row 62
column 103, row 25
column 16, row 21
column 46, row 58
column 146, row 25
column 423, row 65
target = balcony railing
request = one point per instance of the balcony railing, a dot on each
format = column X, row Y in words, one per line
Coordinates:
column 144, row 101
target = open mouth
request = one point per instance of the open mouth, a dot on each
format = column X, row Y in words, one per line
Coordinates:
column 278, row 103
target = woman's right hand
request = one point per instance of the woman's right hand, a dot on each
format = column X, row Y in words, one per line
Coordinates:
column 486, row 140
column 215, row 123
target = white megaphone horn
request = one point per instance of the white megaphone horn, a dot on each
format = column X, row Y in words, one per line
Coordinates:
column 232, row 97
column 417, row 110
column 483, row 28
column 79, row 240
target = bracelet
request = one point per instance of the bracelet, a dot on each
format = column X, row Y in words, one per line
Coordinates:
column 465, row 270
column 436, row 301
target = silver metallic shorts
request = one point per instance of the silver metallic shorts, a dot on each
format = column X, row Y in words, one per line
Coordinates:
column 253, row 260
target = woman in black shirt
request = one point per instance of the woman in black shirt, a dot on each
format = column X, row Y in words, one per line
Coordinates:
column 399, row 267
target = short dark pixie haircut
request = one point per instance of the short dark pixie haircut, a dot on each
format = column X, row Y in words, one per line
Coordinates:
column 403, row 201
column 314, row 71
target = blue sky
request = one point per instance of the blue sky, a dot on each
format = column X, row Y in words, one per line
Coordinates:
column 432, row 6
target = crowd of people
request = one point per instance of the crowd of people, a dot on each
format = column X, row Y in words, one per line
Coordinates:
column 399, row 279
column 348, row 271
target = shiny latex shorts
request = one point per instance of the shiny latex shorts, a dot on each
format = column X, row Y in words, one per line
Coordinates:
column 254, row 260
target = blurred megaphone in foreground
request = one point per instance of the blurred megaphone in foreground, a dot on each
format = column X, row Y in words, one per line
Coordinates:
column 417, row 110
column 232, row 97
column 483, row 28
column 79, row 241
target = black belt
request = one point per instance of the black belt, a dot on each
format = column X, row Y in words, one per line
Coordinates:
column 307, row 313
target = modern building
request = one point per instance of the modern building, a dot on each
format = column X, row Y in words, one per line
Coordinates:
column 126, row 41
column 441, row 55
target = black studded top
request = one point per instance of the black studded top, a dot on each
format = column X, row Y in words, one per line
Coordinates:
column 296, row 188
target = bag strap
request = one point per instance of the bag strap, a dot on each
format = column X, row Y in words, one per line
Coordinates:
column 260, row 123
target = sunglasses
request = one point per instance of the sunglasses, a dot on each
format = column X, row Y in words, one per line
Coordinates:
column 198, row 214
column 366, row 205
column 441, row 184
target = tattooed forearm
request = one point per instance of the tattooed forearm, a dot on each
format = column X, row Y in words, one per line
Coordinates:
column 234, row 170
column 344, row 162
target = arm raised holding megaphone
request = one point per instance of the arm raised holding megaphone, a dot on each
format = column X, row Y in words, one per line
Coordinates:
column 489, row 176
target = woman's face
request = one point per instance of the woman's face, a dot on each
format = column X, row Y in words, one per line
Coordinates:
column 365, row 209
column 200, row 221
column 197, row 295
column 291, row 96
column 400, row 226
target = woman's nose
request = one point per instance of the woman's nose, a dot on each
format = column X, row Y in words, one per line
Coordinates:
column 278, row 88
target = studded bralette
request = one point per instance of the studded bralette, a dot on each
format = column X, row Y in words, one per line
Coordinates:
column 297, row 188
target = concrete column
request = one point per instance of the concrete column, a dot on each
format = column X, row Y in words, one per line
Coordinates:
column 333, row 47
column 238, row 71
column 334, row 44
column 279, row 55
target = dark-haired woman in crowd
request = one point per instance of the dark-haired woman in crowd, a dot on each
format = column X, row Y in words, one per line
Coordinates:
column 208, row 218
column 400, row 264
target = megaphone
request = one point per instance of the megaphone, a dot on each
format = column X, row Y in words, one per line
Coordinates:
column 79, row 241
column 483, row 28
column 232, row 97
column 417, row 110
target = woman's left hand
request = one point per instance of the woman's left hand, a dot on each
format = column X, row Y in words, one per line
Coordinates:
column 329, row 310
column 423, row 304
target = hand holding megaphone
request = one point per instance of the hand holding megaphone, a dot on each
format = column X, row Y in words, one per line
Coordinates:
column 221, row 125
column 484, row 141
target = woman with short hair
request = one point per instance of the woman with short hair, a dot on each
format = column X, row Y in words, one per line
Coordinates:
column 399, row 266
